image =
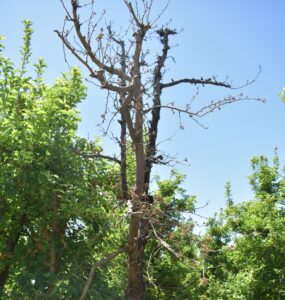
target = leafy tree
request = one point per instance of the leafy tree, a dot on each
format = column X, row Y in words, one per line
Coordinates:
column 245, row 258
column 55, row 199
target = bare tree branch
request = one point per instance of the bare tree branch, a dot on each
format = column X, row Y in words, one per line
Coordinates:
column 107, row 157
column 133, row 14
column 165, row 244
column 99, row 264
column 86, row 45
column 164, row 34
column 209, row 81
column 98, row 75
column 249, row 82
column 214, row 105
column 161, row 13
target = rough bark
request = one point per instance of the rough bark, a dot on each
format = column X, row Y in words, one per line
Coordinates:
column 123, row 135
column 135, row 290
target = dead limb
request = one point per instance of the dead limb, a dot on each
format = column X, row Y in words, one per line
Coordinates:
column 99, row 264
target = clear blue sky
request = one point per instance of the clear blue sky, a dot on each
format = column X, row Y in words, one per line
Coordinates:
column 220, row 37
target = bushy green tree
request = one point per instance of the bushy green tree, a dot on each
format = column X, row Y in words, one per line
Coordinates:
column 245, row 256
column 54, row 200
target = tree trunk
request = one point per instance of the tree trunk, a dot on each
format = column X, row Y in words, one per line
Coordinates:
column 123, row 168
column 135, row 263
column 10, row 245
column 135, row 274
column 55, row 236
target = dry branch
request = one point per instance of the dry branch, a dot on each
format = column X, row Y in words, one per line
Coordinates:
column 99, row 264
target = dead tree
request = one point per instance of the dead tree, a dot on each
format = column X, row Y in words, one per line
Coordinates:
column 118, row 64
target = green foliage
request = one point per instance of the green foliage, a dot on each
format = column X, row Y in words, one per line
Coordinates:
column 55, row 202
column 228, row 194
column 60, row 213
column 173, row 268
column 247, row 241
column 26, row 48
column 282, row 95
